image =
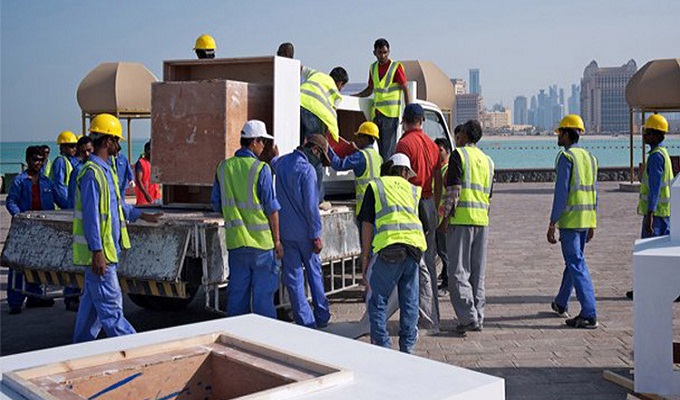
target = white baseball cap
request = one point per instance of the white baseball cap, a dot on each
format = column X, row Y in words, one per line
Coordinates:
column 255, row 129
column 401, row 160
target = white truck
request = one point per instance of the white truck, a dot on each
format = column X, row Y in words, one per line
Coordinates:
column 196, row 114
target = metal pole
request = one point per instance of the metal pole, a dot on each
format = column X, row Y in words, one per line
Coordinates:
column 632, row 162
column 82, row 117
column 129, row 142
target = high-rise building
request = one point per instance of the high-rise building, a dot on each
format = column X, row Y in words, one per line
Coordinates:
column 574, row 106
column 468, row 106
column 520, row 111
column 495, row 119
column 603, row 97
column 458, row 86
column 475, row 85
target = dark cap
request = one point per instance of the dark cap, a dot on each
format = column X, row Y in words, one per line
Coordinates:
column 322, row 142
column 413, row 112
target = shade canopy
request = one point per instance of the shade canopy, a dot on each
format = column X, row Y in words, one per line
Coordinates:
column 655, row 86
column 116, row 88
column 433, row 84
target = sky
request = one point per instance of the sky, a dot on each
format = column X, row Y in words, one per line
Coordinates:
column 520, row 46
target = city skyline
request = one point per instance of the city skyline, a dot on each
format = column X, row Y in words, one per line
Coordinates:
column 48, row 47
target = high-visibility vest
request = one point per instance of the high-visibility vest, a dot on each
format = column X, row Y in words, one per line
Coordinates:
column 396, row 213
column 47, row 171
column 580, row 212
column 81, row 252
column 663, row 208
column 67, row 165
column 372, row 171
column 245, row 222
column 319, row 94
column 473, row 202
column 387, row 98
column 443, row 171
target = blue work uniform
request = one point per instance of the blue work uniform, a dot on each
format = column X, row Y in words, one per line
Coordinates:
column 300, row 223
column 655, row 168
column 121, row 167
column 253, row 273
column 576, row 275
column 20, row 199
column 355, row 162
column 59, row 176
column 101, row 305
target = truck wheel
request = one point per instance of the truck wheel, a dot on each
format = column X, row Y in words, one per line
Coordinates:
column 157, row 303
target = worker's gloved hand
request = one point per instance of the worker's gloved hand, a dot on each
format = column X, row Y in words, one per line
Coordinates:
column 98, row 262
column 151, row 217
column 551, row 234
column 318, row 246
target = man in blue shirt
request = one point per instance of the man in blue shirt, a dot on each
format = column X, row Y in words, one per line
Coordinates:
column 84, row 149
column 574, row 211
column 101, row 306
column 253, row 271
column 121, row 167
column 300, row 219
column 64, row 163
column 30, row 190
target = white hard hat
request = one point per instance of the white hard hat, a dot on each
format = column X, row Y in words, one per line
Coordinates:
column 255, row 129
column 401, row 160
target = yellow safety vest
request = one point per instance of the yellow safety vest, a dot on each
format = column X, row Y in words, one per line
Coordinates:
column 319, row 94
column 245, row 222
column 372, row 171
column 387, row 97
column 396, row 213
column 442, row 199
column 473, row 203
column 48, row 168
column 81, row 252
column 663, row 208
column 580, row 212
column 68, row 166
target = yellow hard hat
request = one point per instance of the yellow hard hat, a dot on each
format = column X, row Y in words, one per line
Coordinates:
column 368, row 128
column 205, row 42
column 571, row 121
column 107, row 124
column 657, row 122
column 66, row 137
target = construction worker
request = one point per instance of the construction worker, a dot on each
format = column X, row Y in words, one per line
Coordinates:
column 47, row 165
column 62, row 166
column 297, row 191
column 423, row 154
column 83, row 150
column 100, row 234
column 365, row 163
column 145, row 191
column 390, row 207
column 30, row 190
column 655, row 189
column 440, row 235
column 205, row 47
column 319, row 98
column 574, row 212
column 387, row 79
column 244, row 192
column 466, row 220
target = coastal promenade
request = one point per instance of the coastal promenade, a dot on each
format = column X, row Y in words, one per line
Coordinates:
column 523, row 341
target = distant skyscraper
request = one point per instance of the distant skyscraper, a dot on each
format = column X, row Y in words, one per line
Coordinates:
column 574, row 106
column 603, row 97
column 458, row 86
column 561, row 96
column 475, row 85
column 468, row 106
column 520, row 111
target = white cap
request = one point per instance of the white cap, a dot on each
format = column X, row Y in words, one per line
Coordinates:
column 401, row 160
column 255, row 129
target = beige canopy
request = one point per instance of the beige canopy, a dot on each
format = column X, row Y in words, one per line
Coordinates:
column 119, row 88
column 433, row 84
column 655, row 86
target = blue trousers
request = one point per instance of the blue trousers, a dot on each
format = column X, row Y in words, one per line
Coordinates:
column 15, row 299
column 253, row 279
column 101, row 306
column 297, row 255
column 384, row 277
column 660, row 227
column 387, row 142
column 576, row 275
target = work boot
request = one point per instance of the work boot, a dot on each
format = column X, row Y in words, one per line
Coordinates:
column 581, row 322
column 471, row 327
column 35, row 302
column 561, row 311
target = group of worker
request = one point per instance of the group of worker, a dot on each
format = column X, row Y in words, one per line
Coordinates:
column 89, row 176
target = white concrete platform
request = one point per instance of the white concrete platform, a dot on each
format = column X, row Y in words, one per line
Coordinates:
column 378, row 373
